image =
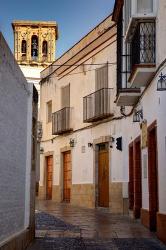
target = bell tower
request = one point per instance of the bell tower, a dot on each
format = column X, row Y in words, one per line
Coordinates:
column 34, row 47
column 35, row 42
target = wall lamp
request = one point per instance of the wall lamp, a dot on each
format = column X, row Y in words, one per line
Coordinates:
column 72, row 143
column 90, row 145
column 138, row 115
column 161, row 84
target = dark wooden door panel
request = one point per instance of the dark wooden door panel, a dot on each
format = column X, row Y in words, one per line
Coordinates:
column 67, row 175
column 49, row 170
column 103, row 178
column 153, row 177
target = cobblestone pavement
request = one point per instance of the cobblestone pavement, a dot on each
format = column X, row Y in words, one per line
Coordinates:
column 62, row 226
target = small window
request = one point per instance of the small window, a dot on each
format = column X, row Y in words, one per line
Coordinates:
column 49, row 111
column 44, row 48
column 24, row 47
column 34, row 47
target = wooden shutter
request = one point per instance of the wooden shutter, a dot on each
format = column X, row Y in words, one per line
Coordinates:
column 65, row 96
column 101, row 77
column 49, row 111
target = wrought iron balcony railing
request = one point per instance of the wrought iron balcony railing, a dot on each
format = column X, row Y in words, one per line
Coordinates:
column 61, row 121
column 143, row 44
column 97, row 105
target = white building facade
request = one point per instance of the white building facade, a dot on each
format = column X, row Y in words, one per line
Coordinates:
column 80, row 132
column 141, row 85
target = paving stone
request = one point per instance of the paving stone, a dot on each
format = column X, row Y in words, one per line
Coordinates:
column 65, row 227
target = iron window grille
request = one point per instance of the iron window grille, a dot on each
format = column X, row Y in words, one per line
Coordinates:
column 143, row 44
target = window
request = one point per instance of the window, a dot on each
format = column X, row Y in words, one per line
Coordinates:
column 65, row 96
column 44, row 48
column 24, row 47
column 34, row 47
column 144, row 6
column 49, row 111
column 101, row 77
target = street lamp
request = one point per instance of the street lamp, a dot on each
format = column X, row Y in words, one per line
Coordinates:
column 138, row 115
column 161, row 84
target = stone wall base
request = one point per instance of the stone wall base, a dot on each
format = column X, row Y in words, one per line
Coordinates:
column 83, row 195
column 20, row 241
column 41, row 193
column 116, row 197
column 161, row 227
column 56, row 193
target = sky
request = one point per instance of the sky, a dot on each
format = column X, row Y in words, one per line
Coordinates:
column 75, row 18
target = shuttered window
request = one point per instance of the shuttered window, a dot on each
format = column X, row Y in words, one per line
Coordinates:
column 65, row 96
column 49, row 111
column 144, row 6
column 101, row 80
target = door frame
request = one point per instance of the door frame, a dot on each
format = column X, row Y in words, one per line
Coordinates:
column 152, row 211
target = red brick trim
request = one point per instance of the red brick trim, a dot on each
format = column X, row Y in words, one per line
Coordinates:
column 153, row 175
column 131, row 177
column 137, row 178
column 145, row 217
column 161, row 227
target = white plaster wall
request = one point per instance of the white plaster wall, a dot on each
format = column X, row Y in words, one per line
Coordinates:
column 15, row 122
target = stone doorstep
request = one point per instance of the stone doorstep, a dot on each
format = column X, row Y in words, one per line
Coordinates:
column 57, row 234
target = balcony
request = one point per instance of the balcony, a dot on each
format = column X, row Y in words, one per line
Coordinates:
column 143, row 55
column 97, row 106
column 128, row 96
column 61, row 121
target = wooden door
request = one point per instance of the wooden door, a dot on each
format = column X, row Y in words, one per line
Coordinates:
column 67, row 175
column 103, row 176
column 49, row 168
column 153, row 176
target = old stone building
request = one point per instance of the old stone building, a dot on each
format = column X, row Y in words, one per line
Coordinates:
column 78, row 116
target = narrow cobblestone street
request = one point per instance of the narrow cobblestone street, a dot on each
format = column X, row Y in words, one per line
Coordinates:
column 62, row 226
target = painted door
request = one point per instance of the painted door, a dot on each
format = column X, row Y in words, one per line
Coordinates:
column 103, row 176
column 49, row 166
column 67, row 175
column 153, row 176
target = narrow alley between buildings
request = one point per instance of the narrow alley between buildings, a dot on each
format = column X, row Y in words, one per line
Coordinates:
column 62, row 226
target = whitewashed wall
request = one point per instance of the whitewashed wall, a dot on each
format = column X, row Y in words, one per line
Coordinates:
column 14, row 148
